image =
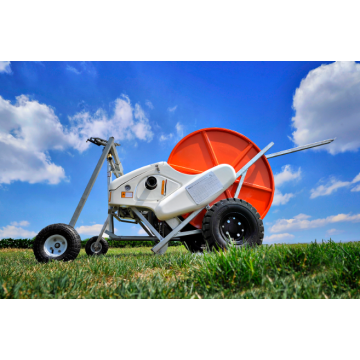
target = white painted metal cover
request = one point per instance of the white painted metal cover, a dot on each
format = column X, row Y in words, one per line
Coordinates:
column 204, row 187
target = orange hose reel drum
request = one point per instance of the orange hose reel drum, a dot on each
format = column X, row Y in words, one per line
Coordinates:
column 206, row 148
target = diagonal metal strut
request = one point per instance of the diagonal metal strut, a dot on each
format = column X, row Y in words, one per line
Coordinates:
column 157, row 248
column 146, row 222
column 254, row 159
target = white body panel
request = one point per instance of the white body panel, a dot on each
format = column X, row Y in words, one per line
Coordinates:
column 176, row 200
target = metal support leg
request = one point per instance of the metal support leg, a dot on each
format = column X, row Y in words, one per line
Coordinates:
column 158, row 247
column 152, row 229
column 102, row 231
column 142, row 218
column 91, row 183
column 237, row 192
column 111, row 218
column 187, row 233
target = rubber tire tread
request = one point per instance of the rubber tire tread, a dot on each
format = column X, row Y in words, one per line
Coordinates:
column 212, row 240
column 104, row 248
column 70, row 234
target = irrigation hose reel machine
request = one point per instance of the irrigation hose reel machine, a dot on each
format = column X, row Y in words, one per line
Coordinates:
column 214, row 191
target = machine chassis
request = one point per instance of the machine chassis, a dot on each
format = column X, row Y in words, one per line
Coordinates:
column 114, row 167
column 135, row 214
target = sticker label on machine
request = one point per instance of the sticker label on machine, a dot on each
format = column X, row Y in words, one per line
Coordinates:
column 126, row 194
column 204, row 187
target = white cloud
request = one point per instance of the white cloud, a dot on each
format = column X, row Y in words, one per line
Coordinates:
column 356, row 178
column 332, row 186
column 73, row 70
column 327, row 105
column 334, row 232
column 179, row 133
column 15, row 231
column 172, row 109
column 281, row 199
column 142, row 232
column 166, row 137
column 5, row 67
column 141, row 128
column 277, row 237
column 149, row 104
column 85, row 67
column 302, row 222
column 29, row 130
column 90, row 230
column 328, row 188
column 88, row 67
column 356, row 188
column 179, row 129
column 331, row 231
column 287, row 174
column 125, row 123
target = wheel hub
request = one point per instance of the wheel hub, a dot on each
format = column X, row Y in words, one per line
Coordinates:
column 233, row 228
column 55, row 245
column 96, row 248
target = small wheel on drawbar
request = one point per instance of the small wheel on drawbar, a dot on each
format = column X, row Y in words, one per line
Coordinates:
column 93, row 249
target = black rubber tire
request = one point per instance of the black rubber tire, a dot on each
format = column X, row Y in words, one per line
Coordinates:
column 252, row 227
column 103, row 243
column 68, row 232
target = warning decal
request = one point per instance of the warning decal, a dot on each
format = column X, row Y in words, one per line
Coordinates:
column 126, row 194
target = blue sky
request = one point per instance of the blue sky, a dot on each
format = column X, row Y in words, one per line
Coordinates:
column 49, row 109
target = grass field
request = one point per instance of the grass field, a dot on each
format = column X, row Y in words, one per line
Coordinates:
column 316, row 270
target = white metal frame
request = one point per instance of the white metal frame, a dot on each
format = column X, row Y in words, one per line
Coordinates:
column 114, row 166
